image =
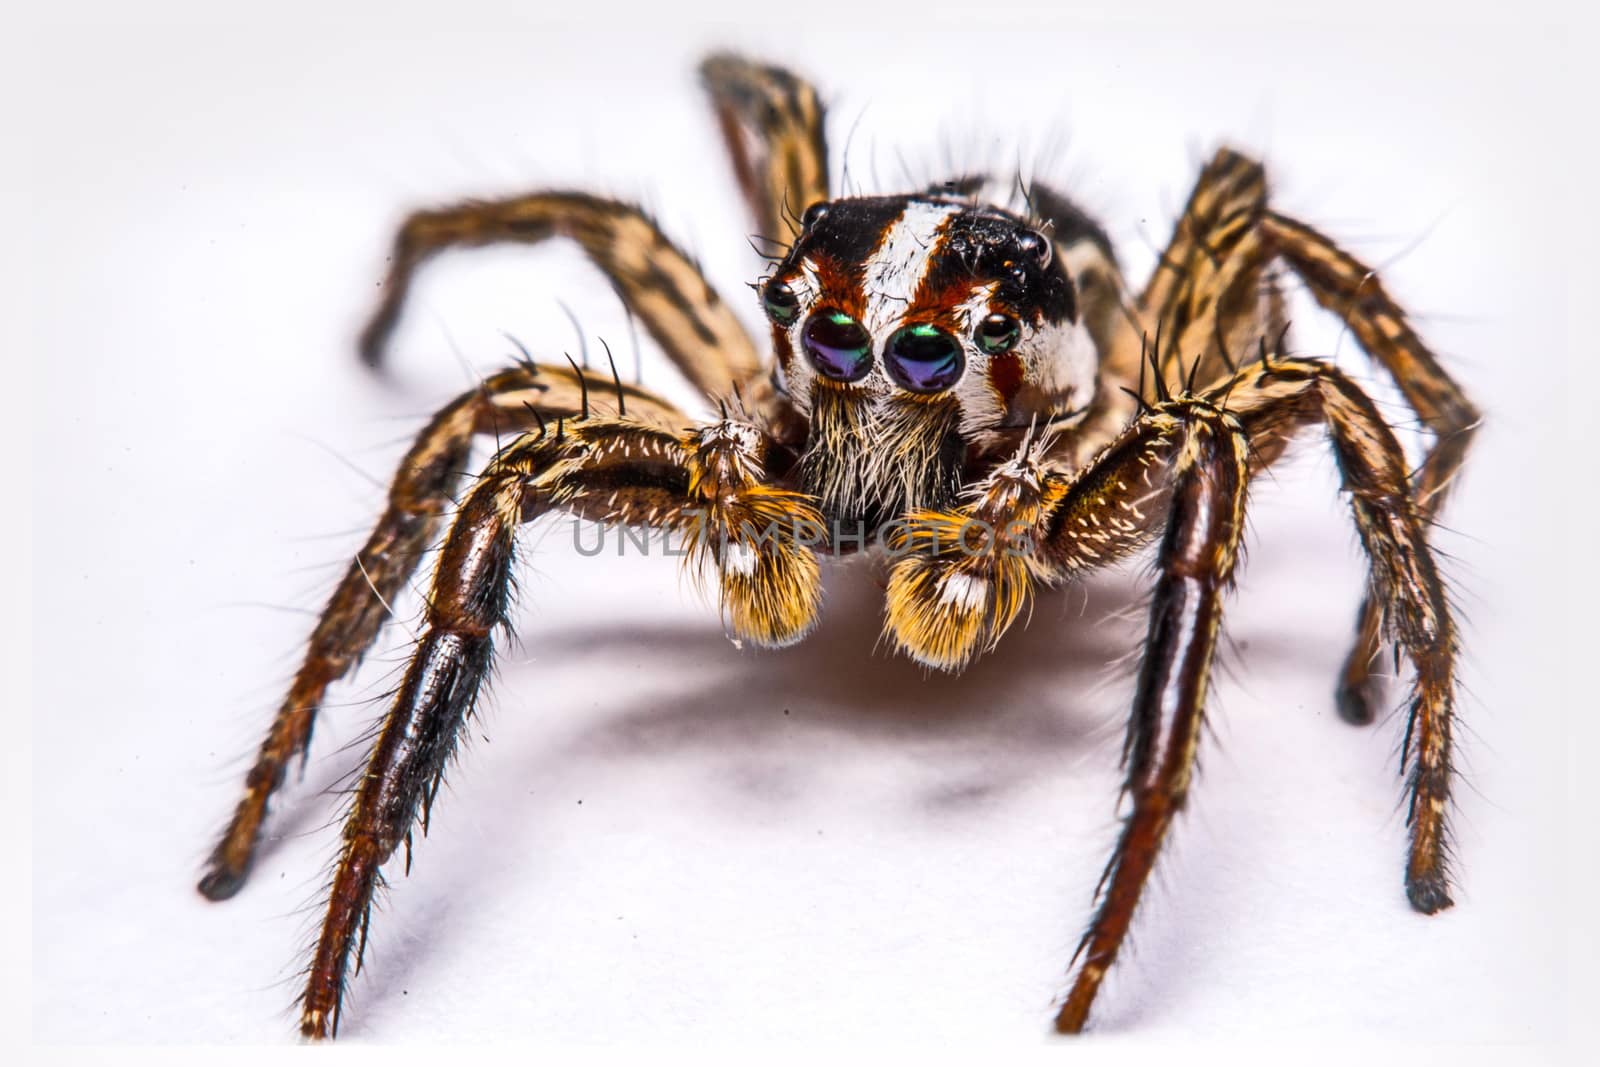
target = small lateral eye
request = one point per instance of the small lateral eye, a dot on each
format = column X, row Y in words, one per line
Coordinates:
column 999, row 333
column 1035, row 245
column 782, row 303
column 813, row 214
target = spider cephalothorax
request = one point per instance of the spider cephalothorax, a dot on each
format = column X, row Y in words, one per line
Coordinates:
column 911, row 329
column 977, row 395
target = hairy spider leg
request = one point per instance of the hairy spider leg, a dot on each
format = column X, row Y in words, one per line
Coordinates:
column 507, row 403
column 1209, row 300
column 1270, row 401
column 655, row 280
column 1211, row 291
column 772, row 124
column 706, row 484
column 1207, row 456
column 1180, row 463
column 1404, row 585
column 1348, row 288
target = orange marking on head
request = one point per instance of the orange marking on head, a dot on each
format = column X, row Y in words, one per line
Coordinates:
column 841, row 286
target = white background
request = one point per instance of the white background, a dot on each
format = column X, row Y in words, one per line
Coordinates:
column 654, row 837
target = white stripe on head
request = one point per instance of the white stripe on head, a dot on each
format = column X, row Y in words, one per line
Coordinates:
column 900, row 262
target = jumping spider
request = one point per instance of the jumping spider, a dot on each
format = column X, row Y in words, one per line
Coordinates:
column 972, row 393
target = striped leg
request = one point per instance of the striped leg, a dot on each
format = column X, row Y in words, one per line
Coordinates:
column 1186, row 462
column 772, row 123
column 1209, row 298
column 1212, row 296
column 1209, row 470
column 657, row 281
column 1351, row 290
column 708, row 485
column 1404, row 587
column 507, row 403
column 468, row 600
column 1270, row 402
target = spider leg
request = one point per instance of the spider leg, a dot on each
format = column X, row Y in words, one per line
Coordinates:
column 1212, row 295
column 1209, row 298
column 1187, row 462
column 654, row 278
column 1183, row 461
column 1345, row 286
column 1404, row 587
column 707, row 484
column 1209, row 472
column 772, row 123
column 507, row 402
column 469, row 598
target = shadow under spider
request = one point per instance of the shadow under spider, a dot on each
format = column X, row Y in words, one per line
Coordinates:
column 843, row 679
column 1021, row 706
column 1049, row 698
column 1053, row 693
column 1056, row 683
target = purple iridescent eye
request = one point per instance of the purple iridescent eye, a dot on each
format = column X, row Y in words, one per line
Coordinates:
column 924, row 359
column 838, row 345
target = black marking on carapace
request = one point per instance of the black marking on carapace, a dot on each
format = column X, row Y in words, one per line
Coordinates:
column 841, row 239
column 981, row 246
column 976, row 246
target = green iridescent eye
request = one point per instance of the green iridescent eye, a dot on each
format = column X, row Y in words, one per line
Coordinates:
column 999, row 333
column 782, row 303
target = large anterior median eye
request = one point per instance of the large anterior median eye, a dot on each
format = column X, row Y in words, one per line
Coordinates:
column 838, row 345
column 781, row 302
column 924, row 359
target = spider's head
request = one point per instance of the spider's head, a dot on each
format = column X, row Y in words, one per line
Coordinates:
column 907, row 328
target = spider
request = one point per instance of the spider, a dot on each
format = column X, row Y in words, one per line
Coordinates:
column 972, row 393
